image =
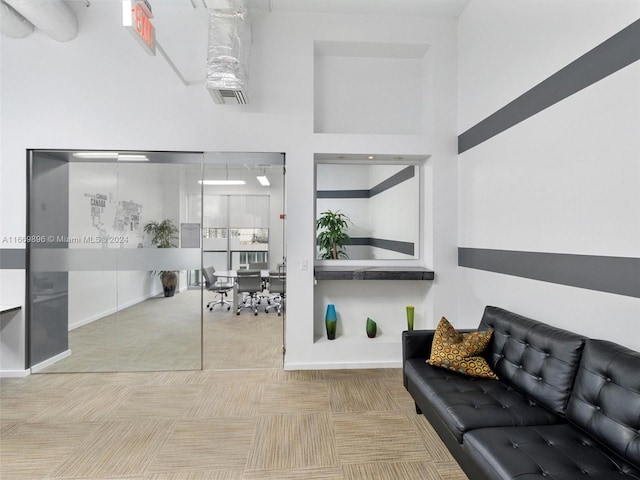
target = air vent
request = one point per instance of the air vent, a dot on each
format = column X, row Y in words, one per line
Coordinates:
column 229, row 96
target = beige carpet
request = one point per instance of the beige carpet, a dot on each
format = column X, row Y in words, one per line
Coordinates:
column 166, row 334
column 242, row 417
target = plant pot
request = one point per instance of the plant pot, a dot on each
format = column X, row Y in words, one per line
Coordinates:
column 169, row 281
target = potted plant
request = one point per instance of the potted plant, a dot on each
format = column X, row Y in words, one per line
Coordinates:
column 332, row 234
column 163, row 235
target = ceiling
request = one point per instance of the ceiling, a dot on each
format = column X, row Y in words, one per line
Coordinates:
column 449, row 8
column 176, row 19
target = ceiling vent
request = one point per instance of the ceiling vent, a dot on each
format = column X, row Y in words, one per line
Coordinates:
column 228, row 51
column 228, row 96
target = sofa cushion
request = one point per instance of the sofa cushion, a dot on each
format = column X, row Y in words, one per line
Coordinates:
column 460, row 352
column 561, row 452
column 465, row 403
column 536, row 358
column 606, row 397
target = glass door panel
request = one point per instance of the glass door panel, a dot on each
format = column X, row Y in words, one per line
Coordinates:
column 72, row 278
column 159, row 316
column 96, row 299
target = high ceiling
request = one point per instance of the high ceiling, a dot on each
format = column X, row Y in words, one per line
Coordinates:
column 449, row 8
column 177, row 20
column 191, row 15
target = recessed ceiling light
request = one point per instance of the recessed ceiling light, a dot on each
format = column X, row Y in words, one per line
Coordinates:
column 222, row 182
column 371, row 157
column 264, row 181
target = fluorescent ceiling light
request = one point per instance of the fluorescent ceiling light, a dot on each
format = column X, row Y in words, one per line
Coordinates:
column 221, row 182
column 132, row 158
column 123, row 157
column 264, row 181
column 113, row 155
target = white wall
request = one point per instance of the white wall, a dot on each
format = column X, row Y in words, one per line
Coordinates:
column 101, row 91
column 566, row 180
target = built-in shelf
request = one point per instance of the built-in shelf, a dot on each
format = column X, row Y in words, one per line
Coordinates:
column 372, row 273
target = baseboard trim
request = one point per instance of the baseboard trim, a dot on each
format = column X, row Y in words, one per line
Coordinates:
column 341, row 365
column 50, row 361
column 14, row 373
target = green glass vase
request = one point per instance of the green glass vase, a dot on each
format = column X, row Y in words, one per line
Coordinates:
column 410, row 312
column 372, row 328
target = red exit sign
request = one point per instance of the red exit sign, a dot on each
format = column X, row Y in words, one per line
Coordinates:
column 136, row 16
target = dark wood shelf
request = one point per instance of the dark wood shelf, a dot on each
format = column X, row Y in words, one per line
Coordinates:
column 372, row 273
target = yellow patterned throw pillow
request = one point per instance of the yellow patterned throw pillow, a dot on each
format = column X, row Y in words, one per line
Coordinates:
column 460, row 352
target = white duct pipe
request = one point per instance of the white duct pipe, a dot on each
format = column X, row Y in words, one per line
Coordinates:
column 12, row 24
column 53, row 17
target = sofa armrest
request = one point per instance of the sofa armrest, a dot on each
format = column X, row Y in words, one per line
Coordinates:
column 416, row 344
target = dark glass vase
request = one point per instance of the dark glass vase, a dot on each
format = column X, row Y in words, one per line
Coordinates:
column 331, row 320
column 372, row 328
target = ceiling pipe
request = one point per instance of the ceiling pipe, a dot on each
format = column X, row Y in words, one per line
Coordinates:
column 52, row 17
column 12, row 24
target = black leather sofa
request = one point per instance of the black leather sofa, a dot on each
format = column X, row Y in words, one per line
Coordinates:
column 565, row 407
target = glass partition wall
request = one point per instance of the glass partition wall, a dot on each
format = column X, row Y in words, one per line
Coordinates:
column 97, row 299
column 97, row 302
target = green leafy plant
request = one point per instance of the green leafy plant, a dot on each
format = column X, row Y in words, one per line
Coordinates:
column 332, row 234
column 164, row 234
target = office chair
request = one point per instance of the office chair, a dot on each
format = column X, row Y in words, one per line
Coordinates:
column 250, row 286
column 276, row 292
column 220, row 286
column 260, row 266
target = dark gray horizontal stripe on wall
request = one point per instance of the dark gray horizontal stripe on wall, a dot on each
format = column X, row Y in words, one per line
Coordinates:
column 402, row 176
column 619, row 275
column 13, row 258
column 407, row 248
column 610, row 56
column 342, row 194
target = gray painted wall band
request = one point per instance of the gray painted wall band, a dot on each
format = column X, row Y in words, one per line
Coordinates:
column 343, row 194
column 402, row 176
column 407, row 248
column 610, row 56
column 13, row 258
column 619, row 275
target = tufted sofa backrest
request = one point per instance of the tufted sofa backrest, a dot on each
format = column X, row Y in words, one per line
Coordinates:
column 606, row 397
column 535, row 358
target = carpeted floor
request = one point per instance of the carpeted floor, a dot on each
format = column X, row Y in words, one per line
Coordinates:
column 241, row 417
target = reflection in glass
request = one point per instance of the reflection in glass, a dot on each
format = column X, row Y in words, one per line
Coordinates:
column 382, row 202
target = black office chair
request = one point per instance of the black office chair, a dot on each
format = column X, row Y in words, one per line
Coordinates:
column 249, row 284
column 221, row 286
